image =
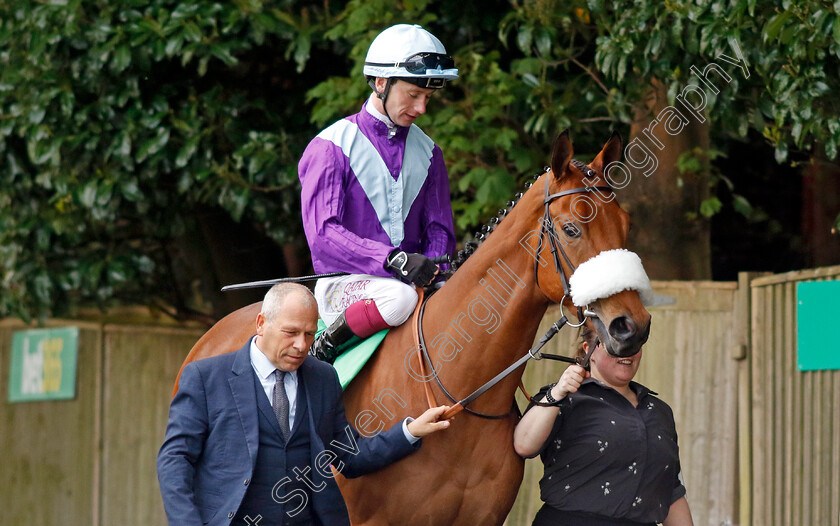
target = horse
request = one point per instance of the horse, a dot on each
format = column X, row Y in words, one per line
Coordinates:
column 480, row 321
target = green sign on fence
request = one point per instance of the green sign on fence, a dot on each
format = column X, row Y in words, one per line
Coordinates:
column 43, row 364
column 817, row 330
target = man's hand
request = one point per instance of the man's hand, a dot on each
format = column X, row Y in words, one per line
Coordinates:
column 428, row 423
column 411, row 268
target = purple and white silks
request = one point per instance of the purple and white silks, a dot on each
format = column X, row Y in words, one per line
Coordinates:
column 364, row 194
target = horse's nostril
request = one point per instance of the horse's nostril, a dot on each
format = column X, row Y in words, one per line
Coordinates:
column 622, row 328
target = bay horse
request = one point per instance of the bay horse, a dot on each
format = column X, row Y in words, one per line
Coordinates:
column 484, row 318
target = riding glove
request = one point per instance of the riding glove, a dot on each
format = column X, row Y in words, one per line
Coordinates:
column 411, row 268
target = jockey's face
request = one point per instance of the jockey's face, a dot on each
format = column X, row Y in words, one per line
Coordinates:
column 405, row 101
column 286, row 339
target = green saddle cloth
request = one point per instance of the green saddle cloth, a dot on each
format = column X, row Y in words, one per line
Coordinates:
column 353, row 359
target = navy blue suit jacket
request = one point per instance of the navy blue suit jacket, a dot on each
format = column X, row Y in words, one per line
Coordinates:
column 210, row 448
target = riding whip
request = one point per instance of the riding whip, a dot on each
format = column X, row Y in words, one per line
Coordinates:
column 302, row 279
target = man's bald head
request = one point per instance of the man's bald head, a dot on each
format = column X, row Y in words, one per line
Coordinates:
column 280, row 293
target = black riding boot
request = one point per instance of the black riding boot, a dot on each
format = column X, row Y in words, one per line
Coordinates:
column 333, row 341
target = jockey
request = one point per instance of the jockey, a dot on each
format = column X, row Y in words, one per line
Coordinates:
column 375, row 194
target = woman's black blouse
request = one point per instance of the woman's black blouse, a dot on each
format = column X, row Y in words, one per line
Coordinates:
column 607, row 458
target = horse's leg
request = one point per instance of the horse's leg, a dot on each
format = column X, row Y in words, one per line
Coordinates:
column 227, row 335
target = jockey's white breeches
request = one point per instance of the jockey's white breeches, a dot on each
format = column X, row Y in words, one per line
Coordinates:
column 394, row 299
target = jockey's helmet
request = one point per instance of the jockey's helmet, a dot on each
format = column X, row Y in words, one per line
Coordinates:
column 411, row 54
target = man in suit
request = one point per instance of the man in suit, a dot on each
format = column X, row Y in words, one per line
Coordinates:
column 252, row 435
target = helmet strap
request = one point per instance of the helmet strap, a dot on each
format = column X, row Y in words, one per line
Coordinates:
column 383, row 96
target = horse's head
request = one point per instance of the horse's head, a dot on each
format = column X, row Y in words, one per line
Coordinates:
column 583, row 220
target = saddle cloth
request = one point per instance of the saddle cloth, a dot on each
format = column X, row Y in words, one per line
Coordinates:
column 353, row 359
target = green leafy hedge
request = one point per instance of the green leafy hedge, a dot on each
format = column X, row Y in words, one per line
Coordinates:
column 119, row 120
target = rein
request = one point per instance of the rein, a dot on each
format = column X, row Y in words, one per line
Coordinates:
column 427, row 361
column 546, row 230
column 534, row 353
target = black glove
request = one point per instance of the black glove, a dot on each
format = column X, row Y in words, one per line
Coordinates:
column 411, row 268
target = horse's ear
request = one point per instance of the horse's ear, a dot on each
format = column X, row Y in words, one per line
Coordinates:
column 611, row 152
column 561, row 154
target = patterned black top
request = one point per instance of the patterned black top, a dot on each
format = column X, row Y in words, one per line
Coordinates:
column 605, row 457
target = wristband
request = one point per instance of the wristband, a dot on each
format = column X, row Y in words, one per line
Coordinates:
column 550, row 399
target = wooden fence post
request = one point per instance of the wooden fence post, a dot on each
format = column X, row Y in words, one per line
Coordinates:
column 742, row 352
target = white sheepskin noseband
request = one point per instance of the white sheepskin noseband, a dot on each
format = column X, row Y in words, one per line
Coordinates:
column 608, row 273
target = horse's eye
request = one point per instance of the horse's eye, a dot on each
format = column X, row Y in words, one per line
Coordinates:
column 571, row 230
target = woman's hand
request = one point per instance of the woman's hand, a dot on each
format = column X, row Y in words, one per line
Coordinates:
column 569, row 382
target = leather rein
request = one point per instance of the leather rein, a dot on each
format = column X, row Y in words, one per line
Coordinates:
column 546, row 230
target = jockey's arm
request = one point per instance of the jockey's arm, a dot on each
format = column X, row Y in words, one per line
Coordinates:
column 439, row 231
column 333, row 246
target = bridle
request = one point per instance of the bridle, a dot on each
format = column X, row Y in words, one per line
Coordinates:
column 546, row 230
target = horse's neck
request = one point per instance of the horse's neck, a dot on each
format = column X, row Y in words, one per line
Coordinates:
column 484, row 319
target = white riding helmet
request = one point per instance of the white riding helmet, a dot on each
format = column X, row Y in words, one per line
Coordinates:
column 410, row 53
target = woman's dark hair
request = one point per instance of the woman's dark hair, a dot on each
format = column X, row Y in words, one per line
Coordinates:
column 588, row 335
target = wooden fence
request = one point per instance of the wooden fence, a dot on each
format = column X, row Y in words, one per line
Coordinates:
column 91, row 460
column 795, row 433
column 760, row 441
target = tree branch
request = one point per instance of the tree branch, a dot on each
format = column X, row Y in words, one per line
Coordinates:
column 596, row 119
column 591, row 74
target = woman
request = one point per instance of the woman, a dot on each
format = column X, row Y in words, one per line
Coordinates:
column 609, row 447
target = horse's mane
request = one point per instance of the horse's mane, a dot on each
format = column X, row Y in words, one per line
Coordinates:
column 485, row 230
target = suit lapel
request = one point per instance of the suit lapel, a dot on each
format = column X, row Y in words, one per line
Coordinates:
column 314, row 403
column 242, row 386
column 265, row 408
column 300, row 404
